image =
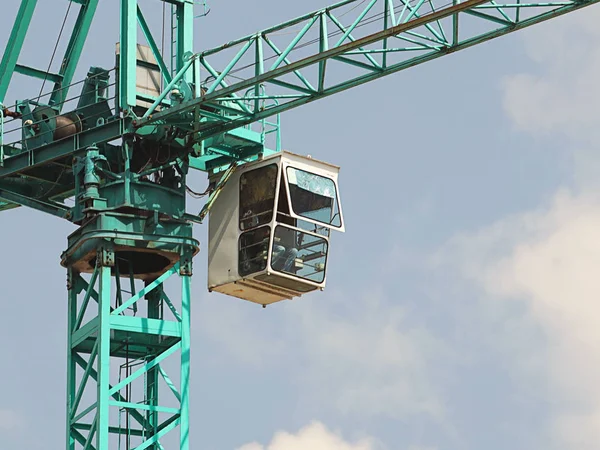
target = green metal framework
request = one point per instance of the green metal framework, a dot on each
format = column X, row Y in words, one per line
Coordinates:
column 269, row 72
column 63, row 79
column 116, row 164
column 343, row 46
column 15, row 44
column 91, row 425
column 113, row 324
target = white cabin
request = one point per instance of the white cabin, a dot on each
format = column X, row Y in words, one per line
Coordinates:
column 269, row 228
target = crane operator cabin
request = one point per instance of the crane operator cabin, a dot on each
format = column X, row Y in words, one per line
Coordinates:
column 269, row 229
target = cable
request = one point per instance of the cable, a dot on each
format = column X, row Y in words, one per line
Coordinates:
column 62, row 28
column 197, row 194
column 54, row 185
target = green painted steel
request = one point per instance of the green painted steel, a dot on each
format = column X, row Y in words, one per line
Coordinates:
column 116, row 325
column 380, row 38
column 42, row 156
column 184, row 13
column 186, row 293
column 153, row 46
column 70, row 60
column 15, row 44
column 73, row 51
column 1, row 136
column 36, row 73
column 384, row 39
column 127, row 55
column 122, row 157
column 73, row 324
column 21, row 199
column 103, row 344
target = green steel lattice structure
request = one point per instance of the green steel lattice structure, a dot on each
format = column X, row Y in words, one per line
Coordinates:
column 212, row 112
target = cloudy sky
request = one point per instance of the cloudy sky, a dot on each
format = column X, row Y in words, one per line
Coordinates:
column 462, row 302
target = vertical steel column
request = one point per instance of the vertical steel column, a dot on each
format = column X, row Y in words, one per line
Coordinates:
column 185, row 35
column 154, row 299
column 74, row 287
column 128, row 55
column 185, row 354
column 105, row 260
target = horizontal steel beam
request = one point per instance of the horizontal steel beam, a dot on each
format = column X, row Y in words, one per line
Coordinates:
column 33, row 203
column 64, row 147
column 37, row 73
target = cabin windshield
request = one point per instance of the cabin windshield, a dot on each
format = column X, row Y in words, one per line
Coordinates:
column 314, row 197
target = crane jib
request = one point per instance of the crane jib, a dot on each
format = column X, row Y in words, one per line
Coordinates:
column 471, row 7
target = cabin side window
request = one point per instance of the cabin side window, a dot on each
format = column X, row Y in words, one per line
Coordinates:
column 253, row 250
column 257, row 196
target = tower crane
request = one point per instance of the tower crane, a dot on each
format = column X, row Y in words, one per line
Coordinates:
column 112, row 154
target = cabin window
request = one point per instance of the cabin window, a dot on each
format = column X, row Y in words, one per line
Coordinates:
column 257, row 196
column 300, row 254
column 313, row 197
column 253, row 251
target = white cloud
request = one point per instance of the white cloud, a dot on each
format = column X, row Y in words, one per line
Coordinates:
column 357, row 353
column 314, row 437
column 550, row 259
column 239, row 335
column 560, row 97
column 251, row 446
column 373, row 362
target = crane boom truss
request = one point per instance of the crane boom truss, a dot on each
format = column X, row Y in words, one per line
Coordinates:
column 386, row 36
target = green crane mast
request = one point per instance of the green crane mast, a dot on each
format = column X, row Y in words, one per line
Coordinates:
column 114, row 160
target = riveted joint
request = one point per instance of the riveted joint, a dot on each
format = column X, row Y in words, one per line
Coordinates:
column 185, row 264
column 106, row 257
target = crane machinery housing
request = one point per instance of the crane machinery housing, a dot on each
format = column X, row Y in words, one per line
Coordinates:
column 114, row 160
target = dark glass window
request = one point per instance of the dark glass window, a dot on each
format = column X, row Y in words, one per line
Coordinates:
column 314, row 197
column 300, row 254
column 257, row 196
column 253, row 250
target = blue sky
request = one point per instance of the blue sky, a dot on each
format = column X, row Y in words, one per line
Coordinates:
column 461, row 305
